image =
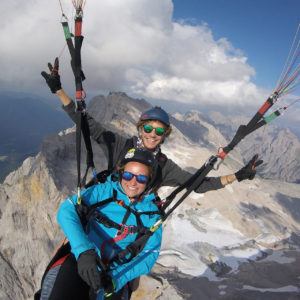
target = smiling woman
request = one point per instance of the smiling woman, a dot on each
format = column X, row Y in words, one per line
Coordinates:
column 134, row 179
column 135, row 172
column 120, row 213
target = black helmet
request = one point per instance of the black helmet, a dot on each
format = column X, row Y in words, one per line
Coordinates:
column 155, row 113
column 139, row 155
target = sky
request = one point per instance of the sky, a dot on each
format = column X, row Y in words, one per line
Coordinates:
column 217, row 53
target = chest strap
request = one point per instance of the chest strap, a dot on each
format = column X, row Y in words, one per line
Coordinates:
column 123, row 230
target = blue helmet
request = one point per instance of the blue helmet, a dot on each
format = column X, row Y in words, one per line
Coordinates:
column 155, row 113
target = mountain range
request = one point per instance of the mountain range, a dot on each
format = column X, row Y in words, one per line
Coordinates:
column 239, row 242
column 25, row 120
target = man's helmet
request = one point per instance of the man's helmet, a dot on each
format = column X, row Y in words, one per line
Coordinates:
column 155, row 113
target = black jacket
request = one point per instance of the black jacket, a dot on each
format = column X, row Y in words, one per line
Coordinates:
column 172, row 174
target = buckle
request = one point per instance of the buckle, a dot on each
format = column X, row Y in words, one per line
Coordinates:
column 123, row 229
column 132, row 229
column 127, row 229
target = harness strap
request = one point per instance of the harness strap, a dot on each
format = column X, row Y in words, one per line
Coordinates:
column 82, row 128
column 109, row 139
column 77, row 57
column 81, row 118
column 256, row 122
column 134, row 248
column 121, row 234
column 105, row 221
column 68, row 37
column 89, row 156
column 78, row 149
column 191, row 184
column 125, row 231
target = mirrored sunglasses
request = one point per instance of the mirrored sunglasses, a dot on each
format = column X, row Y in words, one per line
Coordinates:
column 158, row 130
column 139, row 178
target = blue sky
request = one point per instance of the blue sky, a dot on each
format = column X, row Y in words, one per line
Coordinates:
column 262, row 29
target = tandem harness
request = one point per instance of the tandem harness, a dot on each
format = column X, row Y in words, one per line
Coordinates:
column 143, row 233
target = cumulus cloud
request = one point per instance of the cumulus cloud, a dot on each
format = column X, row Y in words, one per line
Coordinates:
column 132, row 46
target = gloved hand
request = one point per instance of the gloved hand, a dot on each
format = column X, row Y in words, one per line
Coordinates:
column 248, row 172
column 87, row 265
column 53, row 79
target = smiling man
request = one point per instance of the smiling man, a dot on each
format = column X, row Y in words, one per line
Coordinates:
column 153, row 133
column 153, row 128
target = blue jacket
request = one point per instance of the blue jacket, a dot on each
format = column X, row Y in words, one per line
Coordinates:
column 96, row 233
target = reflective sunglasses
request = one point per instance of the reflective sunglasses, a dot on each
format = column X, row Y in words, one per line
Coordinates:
column 139, row 178
column 158, row 130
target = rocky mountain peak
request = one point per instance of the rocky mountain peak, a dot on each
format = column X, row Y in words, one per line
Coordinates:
column 116, row 106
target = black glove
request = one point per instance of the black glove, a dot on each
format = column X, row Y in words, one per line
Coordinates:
column 53, row 79
column 87, row 265
column 248, row 172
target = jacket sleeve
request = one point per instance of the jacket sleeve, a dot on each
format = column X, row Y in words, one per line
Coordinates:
column 173, row 175
column 69, row 221
column 97, row 131
column 141, row 264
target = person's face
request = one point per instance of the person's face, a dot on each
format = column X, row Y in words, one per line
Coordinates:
column 132, row 187
column 151, row 140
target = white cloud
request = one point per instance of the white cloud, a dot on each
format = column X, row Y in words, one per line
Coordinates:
column 130, row 46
